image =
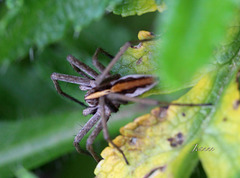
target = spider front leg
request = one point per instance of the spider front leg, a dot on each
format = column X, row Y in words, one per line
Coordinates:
column 81, row 68
column 101, row 77
column 95, row 60
column 104, row 119
column 91, row 122
column 69, row 79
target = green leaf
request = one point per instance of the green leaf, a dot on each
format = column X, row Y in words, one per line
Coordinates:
column 138, row 59
column 38, row 23
column 191, row 31
column 138, row 7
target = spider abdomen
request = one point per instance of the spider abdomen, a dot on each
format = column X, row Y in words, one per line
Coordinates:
column 130, row 85
column 134, row 85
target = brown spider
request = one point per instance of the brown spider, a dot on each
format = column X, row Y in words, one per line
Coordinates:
column 105, row 94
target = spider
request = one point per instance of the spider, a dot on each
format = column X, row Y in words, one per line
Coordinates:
column 105, row 94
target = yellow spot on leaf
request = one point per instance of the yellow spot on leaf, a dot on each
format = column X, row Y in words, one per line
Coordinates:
column 144, row 35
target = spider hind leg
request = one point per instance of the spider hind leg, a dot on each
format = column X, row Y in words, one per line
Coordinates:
column 91, row 139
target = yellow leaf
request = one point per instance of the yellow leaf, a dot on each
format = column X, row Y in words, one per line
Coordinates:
column 164, row 142
column 223, row 133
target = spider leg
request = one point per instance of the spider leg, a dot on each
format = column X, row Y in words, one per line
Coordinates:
column 104, row 119
column 81, row 68
column 121, row 97
column 93, row 136
column 90, row 110
column 95, row 61
column 100, row 78
column 91, row 122
column 70, row 79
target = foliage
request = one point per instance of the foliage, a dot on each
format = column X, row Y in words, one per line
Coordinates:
column 37, row 125
column 169, row 142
